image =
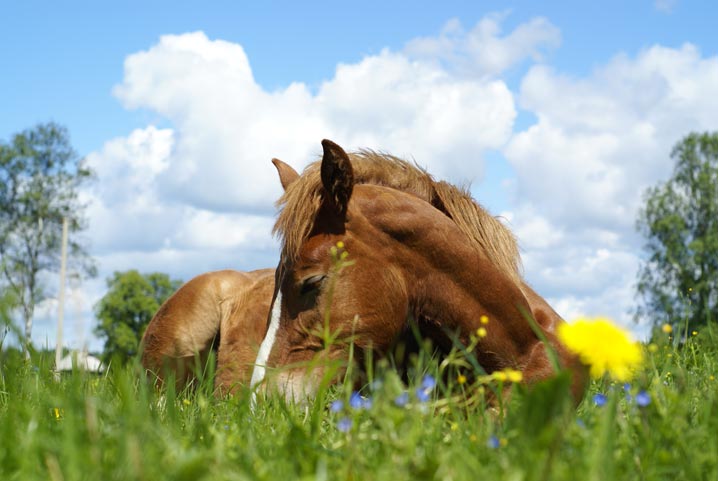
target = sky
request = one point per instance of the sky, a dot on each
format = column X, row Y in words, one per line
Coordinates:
column 558, row 114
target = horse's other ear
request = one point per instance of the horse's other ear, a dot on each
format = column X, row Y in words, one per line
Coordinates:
column 337, row 175
column 287, row 174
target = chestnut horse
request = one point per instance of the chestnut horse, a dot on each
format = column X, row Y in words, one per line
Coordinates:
column 226, row 310
column 422, row 250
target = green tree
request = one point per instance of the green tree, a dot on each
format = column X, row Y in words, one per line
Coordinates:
column 678, row 281
column 40, row 176
column 124, row 312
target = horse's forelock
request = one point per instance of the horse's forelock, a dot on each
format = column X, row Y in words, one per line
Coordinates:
column 300, row 204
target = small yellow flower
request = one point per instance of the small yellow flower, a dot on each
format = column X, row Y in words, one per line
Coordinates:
column 57, row 413
column 652, row 348
column 503, row 442
column 473, row 438
column 513, row 375
column 340, row 245
column 603, row 346
column 711, row 377
column 500, row 376
column 454, row 426
column 667, row 328
column 481, row 332
column 484, row 319
column 186, row 402
column 694, row 333
column 461, row 379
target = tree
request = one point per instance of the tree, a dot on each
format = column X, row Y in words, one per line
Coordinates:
column 7, row 303
column 124, row 312
column 679, row 279
column 40, row 176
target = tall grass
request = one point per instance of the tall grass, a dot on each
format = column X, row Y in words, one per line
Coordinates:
column 116, row 427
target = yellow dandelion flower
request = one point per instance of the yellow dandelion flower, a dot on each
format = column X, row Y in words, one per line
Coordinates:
column 484, row 320
column 694, row 333
column 461, row 379
column 603, row 346
column 667, row 328
column 481, row 332
column 340, row 245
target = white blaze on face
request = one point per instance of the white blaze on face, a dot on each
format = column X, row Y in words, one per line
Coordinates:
column 266, row 347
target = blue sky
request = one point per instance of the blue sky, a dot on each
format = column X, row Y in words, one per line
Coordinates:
column 63, row 58
column 559, row 113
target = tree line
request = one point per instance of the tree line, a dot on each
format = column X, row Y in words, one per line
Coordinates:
column 41, row 175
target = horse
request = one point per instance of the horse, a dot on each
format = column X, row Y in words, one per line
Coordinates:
column 223, row 310
column 423, row 252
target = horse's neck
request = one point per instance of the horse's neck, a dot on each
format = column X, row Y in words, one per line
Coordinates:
column 451, row 285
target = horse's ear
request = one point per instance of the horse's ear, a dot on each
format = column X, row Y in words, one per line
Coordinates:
column 337, row 175
column 287, row 174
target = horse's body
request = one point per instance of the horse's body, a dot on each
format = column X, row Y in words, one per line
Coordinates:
column 422, row 250
column 226, row 310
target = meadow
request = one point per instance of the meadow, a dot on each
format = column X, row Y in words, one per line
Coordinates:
column 433, row 425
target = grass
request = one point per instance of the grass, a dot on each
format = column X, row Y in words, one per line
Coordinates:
column 116, row 427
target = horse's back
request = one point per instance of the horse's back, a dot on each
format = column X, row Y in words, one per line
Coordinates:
column 200, row 314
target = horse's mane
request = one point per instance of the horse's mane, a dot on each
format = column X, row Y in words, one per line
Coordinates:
column 303, row 198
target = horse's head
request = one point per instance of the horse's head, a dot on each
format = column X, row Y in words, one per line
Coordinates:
column 412, row 257
column 321, row 303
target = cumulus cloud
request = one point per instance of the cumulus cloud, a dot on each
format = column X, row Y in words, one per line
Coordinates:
column 226, row 127
column 482, row 51
column 597, row 144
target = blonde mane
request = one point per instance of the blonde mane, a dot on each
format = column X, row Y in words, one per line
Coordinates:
column 303, row 198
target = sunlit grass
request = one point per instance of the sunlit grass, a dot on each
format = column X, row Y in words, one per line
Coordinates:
column 660, row 426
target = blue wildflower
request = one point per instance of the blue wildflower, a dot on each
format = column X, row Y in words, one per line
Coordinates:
column 344, row 425
column 643, row 399
column 428, row 382
column 422, row 394
column 336, row 406
column 366, row 403
column 402, row 399
column 493, row 442
column 355, row 401
column 599, row 399
column 626, row 387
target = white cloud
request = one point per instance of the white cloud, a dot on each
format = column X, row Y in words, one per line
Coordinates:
column 482, row 51
column 227, row 127
column 598, row 143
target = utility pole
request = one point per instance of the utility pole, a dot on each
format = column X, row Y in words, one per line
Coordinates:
column 61, row 297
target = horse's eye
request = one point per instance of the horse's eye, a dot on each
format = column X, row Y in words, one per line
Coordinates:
column 312, row 284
